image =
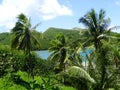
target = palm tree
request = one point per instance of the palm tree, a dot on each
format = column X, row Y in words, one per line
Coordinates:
column 59, row 50
column 96, row 24
column 105, row 56
column 23, row 38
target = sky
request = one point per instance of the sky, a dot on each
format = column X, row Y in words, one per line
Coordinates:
column 55, row 13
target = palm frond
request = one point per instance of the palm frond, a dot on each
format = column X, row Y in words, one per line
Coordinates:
column 78, row 73
column 102, row 14
column 54, row 56
column 114, row 28
column 33, row 28
column 35, row 41
column 22, row 18
column 93, row 18
column 84, row 21
column 15, row 40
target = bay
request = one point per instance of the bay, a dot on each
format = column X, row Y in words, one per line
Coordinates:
column 44, row 54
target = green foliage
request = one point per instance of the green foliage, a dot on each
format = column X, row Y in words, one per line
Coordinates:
column 48, row 35
column 10, row 61
column 77, row 77
column 51, row 33
column 67, row 88
column 59, row 50
column 96, row 24
column 20, row 81
column 39, row 83
column 14, row 60
column 5, row 38
column 43, row 67
column 107, row 60
column 102, row 67
column 23, row 38
column 78, row 72
column 101, row 71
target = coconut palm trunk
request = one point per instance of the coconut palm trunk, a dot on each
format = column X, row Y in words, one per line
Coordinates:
column 59, row 51
column 62, row 63
column 23, row 39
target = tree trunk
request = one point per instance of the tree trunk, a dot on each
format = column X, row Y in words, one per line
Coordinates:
column 62, row 63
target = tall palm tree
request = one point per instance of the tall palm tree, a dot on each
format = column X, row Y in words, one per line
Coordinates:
column 105, row 56
column 96, row 24
column 24, row 39
column 59, row 50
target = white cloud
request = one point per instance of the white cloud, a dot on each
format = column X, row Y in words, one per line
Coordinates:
column 42, row 9
column 51, row 8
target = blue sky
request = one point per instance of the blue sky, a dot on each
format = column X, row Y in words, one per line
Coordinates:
column 55, row 13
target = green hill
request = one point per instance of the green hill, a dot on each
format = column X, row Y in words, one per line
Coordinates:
column 5, row 38
column 48, row 35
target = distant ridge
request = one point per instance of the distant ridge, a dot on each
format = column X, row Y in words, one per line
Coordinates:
column 51, row 32
column 48, row 35
column 71, row 34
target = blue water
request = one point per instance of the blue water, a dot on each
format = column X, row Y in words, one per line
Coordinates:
column 44, row 54
column 85, row 53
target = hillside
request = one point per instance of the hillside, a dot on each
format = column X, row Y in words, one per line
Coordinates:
column 5, row 38
column 48, row 35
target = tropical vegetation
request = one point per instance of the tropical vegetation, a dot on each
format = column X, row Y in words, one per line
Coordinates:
column 66, row 68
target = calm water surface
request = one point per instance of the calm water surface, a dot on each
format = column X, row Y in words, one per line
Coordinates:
column 44, row 54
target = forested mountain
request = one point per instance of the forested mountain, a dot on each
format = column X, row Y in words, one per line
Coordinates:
column 50, row 34
column 47, row 36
